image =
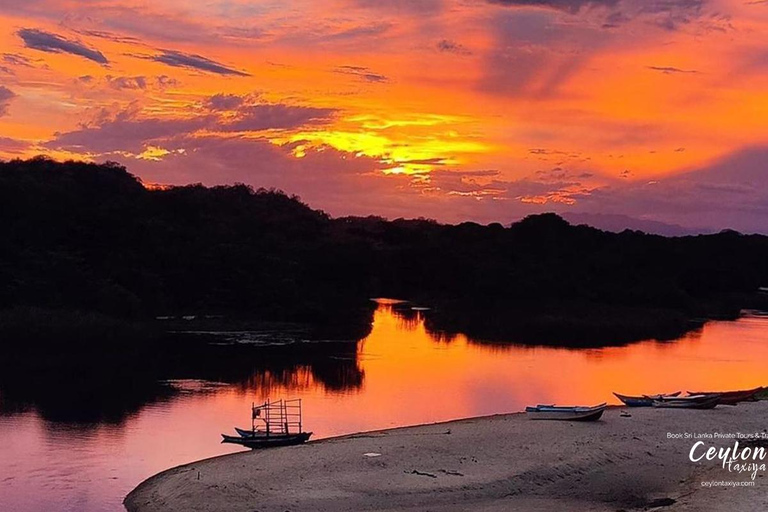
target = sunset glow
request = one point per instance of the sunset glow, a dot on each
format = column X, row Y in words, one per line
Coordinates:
column 482, row 110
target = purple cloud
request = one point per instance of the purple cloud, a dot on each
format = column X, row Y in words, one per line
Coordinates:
column 362, row 73
column 192, row 61
column 6, row 95
column 53, row 43
column 572, row 6
column 277, row 116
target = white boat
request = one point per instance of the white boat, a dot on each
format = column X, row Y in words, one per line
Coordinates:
column 575, row 413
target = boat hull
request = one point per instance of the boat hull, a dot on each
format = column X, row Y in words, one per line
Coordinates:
column 259, row 442
column 732, row 397
column 643, row 401
column 706, row 402
column 565, row 413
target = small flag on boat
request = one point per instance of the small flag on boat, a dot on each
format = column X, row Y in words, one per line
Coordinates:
column 256, row 412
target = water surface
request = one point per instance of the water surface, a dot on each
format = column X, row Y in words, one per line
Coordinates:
column 400, row 374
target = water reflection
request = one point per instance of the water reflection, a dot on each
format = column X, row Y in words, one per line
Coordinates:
column 82, row 443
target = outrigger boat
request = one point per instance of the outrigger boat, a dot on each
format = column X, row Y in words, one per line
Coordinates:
column 689, row 402
column 644, row 400
column 577, row 413
column 281, row 426
column 732, row 397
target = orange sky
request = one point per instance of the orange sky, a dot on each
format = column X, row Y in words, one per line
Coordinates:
column 454, row 109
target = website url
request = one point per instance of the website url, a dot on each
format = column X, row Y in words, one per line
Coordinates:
column 723, row 483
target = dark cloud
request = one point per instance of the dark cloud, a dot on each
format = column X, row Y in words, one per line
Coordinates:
column 13, row 59
column 666, row 14
column 53, row 43
column 127, row 132
column 668, row 70
column 572, row 6
column 362, row 73
column 533, row 54
column 192, row 61
column 9, row 145
column 224, row 102
column 448, row 46
column 140, row 82
column 6, row 95
column 420, row 7
column 729, row 193
column 277, row 116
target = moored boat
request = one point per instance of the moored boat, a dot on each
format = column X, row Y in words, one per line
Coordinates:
column 644, row 400
column 732, row 397
column 268, row 441
column 281, row 426
column 689, row 402
column 576, row 413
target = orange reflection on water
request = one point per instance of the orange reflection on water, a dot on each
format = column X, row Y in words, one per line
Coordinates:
column 414, row 376
column 401, row 374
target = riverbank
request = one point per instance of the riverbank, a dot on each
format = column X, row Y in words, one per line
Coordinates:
column 492, row 464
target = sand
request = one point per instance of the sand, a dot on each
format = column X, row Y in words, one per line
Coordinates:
column 496, row 463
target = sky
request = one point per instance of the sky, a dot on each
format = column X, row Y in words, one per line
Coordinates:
column 482, row 110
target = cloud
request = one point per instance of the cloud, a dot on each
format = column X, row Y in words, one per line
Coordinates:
column 534, row 54
column 53, row 43
column 411, row 7
column 731, row 192
column 192, row 61
column 449, row 46
column 666, row 14
column 362, row 73
column 668, row 70
column 572, row 6
column 13, row 59
column 224, row 102
column 130, row 133
column 6, row 96
column 140, row 82
column 277, row 116
column 13, row 146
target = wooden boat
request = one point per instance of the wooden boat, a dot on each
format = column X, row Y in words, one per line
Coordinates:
column 577, row 413
column 644, row 400
column 279, row 425
column 732, row 397
column 268, row 441
column 689, row 402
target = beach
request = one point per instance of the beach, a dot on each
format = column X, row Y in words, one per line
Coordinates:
column 503, row 462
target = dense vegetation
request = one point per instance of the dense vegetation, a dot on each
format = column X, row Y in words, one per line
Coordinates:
column 92, row 239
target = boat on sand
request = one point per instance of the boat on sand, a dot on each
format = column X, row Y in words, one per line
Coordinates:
column 575, row 413
column 279, row 424
column 689, row 402
column 643, row 400
column 733, row 397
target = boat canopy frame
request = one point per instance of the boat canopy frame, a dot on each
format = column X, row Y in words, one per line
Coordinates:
column 279, row 417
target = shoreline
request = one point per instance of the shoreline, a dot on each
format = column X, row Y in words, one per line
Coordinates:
column 497, row 462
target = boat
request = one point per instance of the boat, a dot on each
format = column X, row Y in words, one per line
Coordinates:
column 279, row 424
column 643, row 400
column 733, row 397
column 689, row 402
column 576, row 413
column 268, row 441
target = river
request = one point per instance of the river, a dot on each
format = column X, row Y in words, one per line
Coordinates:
column 400, row 374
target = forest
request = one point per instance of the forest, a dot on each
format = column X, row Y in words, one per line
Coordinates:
column 89, row 253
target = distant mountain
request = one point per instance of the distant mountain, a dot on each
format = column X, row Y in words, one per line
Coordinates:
column 617, row 223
